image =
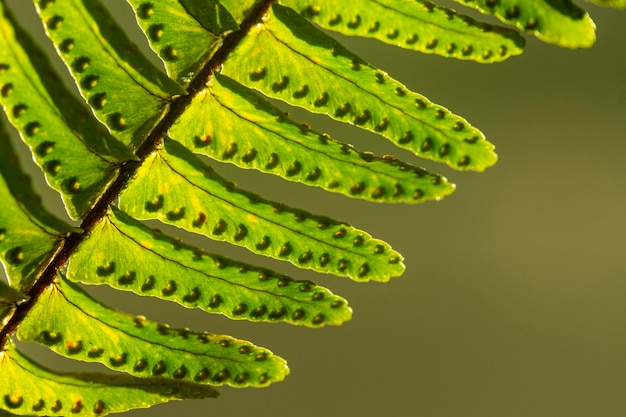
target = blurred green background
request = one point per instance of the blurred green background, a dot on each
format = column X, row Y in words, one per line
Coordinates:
column 514, row 299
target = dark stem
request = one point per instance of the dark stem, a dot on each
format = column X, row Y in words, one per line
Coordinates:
column 128, row 169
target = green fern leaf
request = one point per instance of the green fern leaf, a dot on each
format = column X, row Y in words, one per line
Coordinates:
column 415, row 25
column 129, row 256
column 130, row 151
column 239, row 9
column 618, row 4
column 124, row 89
column 76, row 153
column 560, row 22
column 175, row 187
column 30, row 389
column 28, row 233
column 288, row 59
column 73, row 324
column 184, row 34
column 230, row 123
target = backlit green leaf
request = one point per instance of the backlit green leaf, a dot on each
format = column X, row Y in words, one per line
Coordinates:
column 231, row 123
column 560, row 22
column 124, row 89
column 28, row 233
column 73, row 324
column 287, row 58
column 239, row 9
column 183, row 33
column 175, row 187
column 76, row 153
column 30, row 389
column 618, row 4
column 414, row 24
column 129, row 256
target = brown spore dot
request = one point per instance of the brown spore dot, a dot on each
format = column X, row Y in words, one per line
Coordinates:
column 13, row 401
column 127, row 279
column 148, row 284
column 77, row 407
column 95, row 352
column 305, row 257
column 221, row 376
column 318, row 319
column 56, row 406
column 277, row 314
column 285, row 250
column 19, row 110
column 73, row 347
column 242, row 232
column 169, row 289
column 258, row 311
column 119, row 360
column 145, row 10
column 240, row 309
column 67, row 45
column 298, row 314
column 54, row 22
column 141, row 365
column 15, row 256
column 81, row 64
column 343, row 264
column 99, row 407
column 39, row 405
column 203, row 375
column 159, row 368
column 192, row 296
column 32, row 128
column 216, row 301
column 318, row 296
column 220, row 227
column 180, row 373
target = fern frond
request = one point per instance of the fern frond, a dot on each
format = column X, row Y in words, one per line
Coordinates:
column 231, row 123
column 618, row 4
column 28, row 232
column 186, row 34
column 287, row 58
column 124, row 89
column 559, row 22
column 33, row 389
column 416, row 25
column 131, row 150
column 175, row 187
column 73, row 324
column 127, row 255
column 76, row 153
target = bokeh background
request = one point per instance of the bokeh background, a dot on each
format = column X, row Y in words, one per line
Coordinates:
column 514, row 299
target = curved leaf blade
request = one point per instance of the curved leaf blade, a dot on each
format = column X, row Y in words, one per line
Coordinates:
column 125, row 91
column 129, row 256
column 28, row 233
column 184, row 33
column 239, row 9
column 287, row 58
column 76, row 153
column 29, row 388
column 174, row 187
column 231, row 123
column 416, row 25
column 617, row 4
column 75, row 325
column 560, row 22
